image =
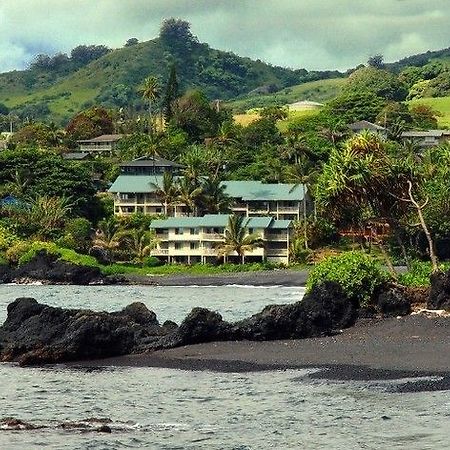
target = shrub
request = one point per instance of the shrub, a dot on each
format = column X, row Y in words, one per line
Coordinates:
column 357, row 273
column 15, row 252
column 418, row 274
column 34, row 248
column 152, row 261
column 7, row 238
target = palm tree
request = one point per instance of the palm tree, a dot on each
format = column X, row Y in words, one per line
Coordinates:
column 108, row 236
column 238, row 240
column 141, row 242
column 48, row 213
column 167, row 192
column 214, row 199
column 150, row 92
column 188, row 194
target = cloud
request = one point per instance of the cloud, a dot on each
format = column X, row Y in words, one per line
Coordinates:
column 316, row 34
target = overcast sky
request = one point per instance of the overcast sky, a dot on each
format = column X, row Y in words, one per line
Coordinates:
column 315, row 34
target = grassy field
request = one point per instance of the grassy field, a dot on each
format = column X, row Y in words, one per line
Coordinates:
column 441, row 104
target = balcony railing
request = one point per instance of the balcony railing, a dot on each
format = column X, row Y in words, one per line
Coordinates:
column 160, row 252
column 212, row 237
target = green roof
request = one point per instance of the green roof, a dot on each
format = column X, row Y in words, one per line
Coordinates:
column 258, row 191
column 217, row 221
column 129, row 184
column 245, row 190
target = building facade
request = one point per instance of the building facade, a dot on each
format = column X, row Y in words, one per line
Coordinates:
column 191, row 240
column 105, row 144
column 135, row 191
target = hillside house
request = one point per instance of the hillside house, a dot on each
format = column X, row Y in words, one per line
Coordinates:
column 105, row 144
column 135, row 189
column 364, row 125
column 429, row 138
column 191, row 240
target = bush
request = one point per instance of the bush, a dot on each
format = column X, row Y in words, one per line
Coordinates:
column 419, row 273
column 152, row 261
column 357, row 273
column 34, row 248
column 15, row 252
column 7, row 238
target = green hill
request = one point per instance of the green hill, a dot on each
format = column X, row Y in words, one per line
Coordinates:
column 113, row 79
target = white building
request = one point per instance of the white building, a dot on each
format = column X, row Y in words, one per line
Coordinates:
column 192, row 240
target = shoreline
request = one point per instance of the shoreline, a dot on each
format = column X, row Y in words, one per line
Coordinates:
column 278, row 277
column 382, row 349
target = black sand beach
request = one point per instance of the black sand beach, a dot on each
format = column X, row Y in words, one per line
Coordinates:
column 392, row 348
column 282, row 277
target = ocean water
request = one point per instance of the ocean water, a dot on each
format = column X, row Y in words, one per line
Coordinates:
column 154, row 408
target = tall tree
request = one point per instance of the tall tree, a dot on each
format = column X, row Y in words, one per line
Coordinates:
column 171, row 93
column 238, row 240
column 167, row 192
column 150, row 92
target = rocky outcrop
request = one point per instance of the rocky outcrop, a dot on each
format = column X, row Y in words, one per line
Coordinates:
column 34, row 333
column 48, row 268
column 393, row 300
column 439, row 295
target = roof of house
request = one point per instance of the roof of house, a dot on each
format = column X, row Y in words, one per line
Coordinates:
column 365, row 125
column 258, row 191
column 218, row 221
column 128, row 184
column 102, row 138
column 75, row 155
column 150, row 161
column 427, row 133
column 245, row 190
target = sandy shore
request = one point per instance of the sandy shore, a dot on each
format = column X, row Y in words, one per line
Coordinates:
column 262, row 278
column 385, row 349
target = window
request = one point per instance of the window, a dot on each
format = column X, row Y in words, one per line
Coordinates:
column 193, row 245
column 178, row 230
column 178, row 245
column 123, row 196
column 194, row 231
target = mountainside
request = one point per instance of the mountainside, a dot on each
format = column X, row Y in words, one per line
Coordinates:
column 113, row 79
column 55, row 88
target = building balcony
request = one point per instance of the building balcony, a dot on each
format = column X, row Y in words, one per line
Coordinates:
column 277, row 252
column 288, row 210
column 95, row 148
column 160, row 252
column 212, row 237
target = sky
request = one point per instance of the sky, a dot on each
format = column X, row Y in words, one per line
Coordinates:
column 311, row 34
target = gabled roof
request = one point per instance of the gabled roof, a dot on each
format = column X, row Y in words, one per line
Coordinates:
column 258, row 191
column 142, row 184
column 245, row 190
column 102, row 138
column 218, row 221
column 150, row 161
column 365, row 125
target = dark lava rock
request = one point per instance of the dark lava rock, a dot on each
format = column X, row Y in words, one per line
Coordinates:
column 45, row 267
column 6, row 274
column 34, row 333
column 323, row 311
column 11, row 423
column 393, row 301
column 439, row 296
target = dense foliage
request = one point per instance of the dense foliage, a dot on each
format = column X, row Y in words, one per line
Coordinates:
column 358, row 274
